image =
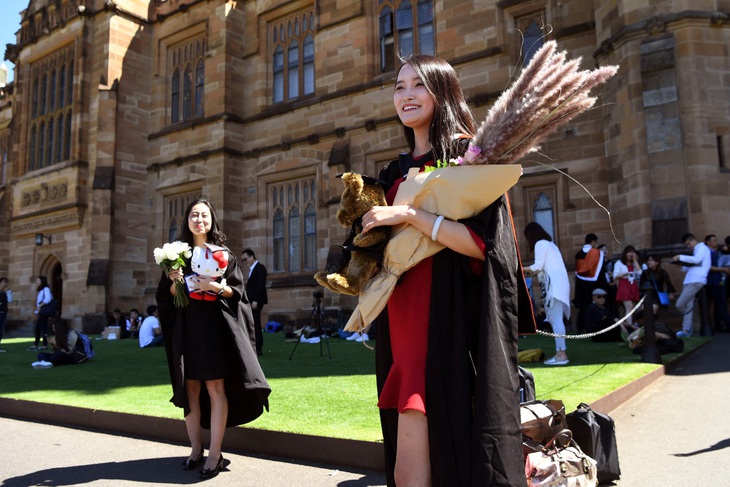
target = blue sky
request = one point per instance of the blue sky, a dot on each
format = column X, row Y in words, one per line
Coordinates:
column 9, row 25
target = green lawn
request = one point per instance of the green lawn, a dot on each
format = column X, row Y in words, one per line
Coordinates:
column 311, row 393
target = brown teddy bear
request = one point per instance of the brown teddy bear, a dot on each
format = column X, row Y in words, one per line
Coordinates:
column 363, row 252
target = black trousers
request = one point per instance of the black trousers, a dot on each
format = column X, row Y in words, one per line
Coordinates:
column 41, row 330
column 259, row 333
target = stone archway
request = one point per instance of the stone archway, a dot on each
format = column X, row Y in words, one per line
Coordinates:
column 53, row 270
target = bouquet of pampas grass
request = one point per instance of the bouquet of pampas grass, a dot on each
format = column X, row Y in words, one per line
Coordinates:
column 550, row 91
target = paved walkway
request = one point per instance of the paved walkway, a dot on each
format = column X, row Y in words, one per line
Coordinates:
column 676, row 432
column 42, row 454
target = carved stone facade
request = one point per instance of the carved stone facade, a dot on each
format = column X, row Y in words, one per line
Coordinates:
column 155, row 101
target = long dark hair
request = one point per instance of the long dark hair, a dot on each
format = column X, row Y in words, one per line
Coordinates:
column 451, row 115
column 215, row 235
column 534, row 233
column 43, row 284
column 60, row 329
column 627, row 249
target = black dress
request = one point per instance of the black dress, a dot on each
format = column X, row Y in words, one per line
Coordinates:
column 212, row 340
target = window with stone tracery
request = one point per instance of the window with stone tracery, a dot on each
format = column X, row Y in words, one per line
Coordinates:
column 51, row 108
column 533, row 32
column 186, row 65
column 174, row 216
column 405, row 28
column 292, row 56
column 294, row 225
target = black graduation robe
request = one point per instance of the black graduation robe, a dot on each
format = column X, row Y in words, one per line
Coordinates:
column 472, row 386
column 246, row 386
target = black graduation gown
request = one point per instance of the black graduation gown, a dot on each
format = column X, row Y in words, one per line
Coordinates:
column 246, row 387
column 472, row 386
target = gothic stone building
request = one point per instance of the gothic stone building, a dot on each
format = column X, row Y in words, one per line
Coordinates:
column 122, row 110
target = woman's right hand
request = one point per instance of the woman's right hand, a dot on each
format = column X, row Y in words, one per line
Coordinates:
column 175, row 274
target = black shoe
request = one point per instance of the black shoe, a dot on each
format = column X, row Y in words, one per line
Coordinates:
column 210, row 473
column 191, row 463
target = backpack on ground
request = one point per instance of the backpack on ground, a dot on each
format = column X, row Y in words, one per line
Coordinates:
column 84, row 349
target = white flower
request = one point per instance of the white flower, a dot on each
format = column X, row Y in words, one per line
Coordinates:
column 159, row 255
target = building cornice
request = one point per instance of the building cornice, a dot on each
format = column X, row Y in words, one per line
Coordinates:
column 655, row 26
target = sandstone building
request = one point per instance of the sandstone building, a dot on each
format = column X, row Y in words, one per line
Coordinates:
column 122, row 110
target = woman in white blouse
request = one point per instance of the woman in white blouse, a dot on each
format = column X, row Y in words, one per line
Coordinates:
column 553, row 277
column 43, row 298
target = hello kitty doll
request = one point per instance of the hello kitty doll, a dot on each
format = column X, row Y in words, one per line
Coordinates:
column 211, row 261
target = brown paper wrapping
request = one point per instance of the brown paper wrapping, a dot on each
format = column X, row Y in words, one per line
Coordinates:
column 455, row 192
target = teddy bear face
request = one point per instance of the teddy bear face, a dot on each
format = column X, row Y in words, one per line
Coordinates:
column 357, row 198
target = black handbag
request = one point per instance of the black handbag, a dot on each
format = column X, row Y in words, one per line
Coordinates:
column 49, row 309
column 596, row 434
column 527, row 384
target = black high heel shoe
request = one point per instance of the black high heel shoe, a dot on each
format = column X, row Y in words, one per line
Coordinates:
column 191, row 463
column 206, row 473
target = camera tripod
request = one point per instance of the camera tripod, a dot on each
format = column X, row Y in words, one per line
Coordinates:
column 316, row 318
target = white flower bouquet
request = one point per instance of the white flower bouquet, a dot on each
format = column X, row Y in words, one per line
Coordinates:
column 171, row 256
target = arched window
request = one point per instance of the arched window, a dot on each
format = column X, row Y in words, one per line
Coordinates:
column 405, row 28
column 542, row 213
column 533, row 41
column 292, row 57
column 294, row 235
column 186, row 65
column 51, row 108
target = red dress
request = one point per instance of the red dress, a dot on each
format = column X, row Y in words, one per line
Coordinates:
column 408, row 314
column 628, row 291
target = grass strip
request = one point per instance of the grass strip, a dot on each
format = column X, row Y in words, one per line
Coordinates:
column 311, row 393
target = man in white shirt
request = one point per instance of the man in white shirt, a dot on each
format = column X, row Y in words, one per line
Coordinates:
column 695, row 279
column 150, row 333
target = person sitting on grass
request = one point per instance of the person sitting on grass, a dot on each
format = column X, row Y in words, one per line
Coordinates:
column 150, row 333
column 599, row 317
column 64, row 343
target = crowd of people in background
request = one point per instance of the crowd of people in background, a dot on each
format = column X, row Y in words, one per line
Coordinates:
column 607, row 289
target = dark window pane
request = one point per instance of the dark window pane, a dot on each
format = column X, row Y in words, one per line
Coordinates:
column 294, row 241
column 199, row 87
column 532, row 43
column 187, row 108
column 67, row 138
column 175, row 97
column 31, row 149
column 278, row 74
column 293, row 70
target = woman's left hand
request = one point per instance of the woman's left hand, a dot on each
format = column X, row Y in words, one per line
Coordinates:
column 379, row 216
column 206, row 283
